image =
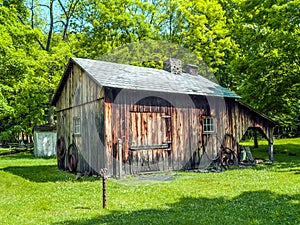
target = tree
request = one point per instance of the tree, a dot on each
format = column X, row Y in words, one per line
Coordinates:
column 59, row 15
column 18, row 52
column 268, row 64
column 201, row 27
column 251, row 47
column 110, row 24
column 27, row 71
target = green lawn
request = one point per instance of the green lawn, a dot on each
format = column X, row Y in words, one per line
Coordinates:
column 34, row 191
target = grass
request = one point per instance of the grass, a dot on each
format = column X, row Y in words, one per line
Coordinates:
column 34, row 191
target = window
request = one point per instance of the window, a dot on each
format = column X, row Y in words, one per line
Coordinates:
column 208, row 125
column 77, row 125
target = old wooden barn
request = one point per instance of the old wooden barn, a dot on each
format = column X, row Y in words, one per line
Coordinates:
column 132, row 120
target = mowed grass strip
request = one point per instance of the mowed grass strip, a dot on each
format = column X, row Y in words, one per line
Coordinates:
column 34, row 191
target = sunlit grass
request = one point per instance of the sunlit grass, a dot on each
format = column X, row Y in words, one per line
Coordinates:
column 34, row 191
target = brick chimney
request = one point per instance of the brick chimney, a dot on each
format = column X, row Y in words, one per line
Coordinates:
column 191, row 69
column 173, row 65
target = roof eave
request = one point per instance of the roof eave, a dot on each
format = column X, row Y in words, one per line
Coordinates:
column 274, row 123
column 73, row 61
column 62, row 82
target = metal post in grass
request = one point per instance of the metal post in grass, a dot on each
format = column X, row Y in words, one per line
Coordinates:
column 103, row 174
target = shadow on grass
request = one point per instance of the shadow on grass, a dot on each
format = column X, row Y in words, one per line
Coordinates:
column 43, row 173
column 286, row 156
column 18, row 155
column 257, row 207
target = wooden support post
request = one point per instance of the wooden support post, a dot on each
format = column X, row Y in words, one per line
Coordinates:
column 255, row 139
column 270, row 146
column 271, row 153
column 120, row 157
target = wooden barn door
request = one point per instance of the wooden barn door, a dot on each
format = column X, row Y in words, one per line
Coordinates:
column 150, row 141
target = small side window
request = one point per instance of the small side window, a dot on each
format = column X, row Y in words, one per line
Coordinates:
column 77, row 125
column 208, row 125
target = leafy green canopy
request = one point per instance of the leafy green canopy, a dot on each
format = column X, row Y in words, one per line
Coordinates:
column 268, row 65
column 252, row 47
column 25, row 72
column 198, row 26
column 17, row 68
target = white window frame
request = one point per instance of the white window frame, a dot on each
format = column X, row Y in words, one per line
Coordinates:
column 208, row 125
column 77, row 125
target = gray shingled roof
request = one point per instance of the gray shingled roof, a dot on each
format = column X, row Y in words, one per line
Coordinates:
column 116, row 75
column 140, row 78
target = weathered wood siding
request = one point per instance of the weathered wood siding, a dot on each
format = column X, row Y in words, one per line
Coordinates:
column 165, row 133
column 156, row 131
column 156, row 134
column 82, row 98
column 240, row 118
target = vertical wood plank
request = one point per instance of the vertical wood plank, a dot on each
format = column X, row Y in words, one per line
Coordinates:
column 108, row 137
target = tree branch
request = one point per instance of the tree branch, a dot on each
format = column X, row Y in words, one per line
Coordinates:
column 51, row 26
column 40, row 43
column 43, row 5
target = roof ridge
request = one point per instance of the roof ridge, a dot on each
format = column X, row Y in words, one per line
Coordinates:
column 124, row 76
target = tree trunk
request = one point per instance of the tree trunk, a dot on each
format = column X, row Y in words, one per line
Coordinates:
column 49, row 39
column 50, row 113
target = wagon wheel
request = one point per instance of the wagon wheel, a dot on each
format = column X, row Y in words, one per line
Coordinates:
column 228, row 157
column 72, row 158
column 60, row 148
column 227, row 153
column 61, row 152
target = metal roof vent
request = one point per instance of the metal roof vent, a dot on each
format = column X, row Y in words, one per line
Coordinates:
column 173, row 65
column 191, row 69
